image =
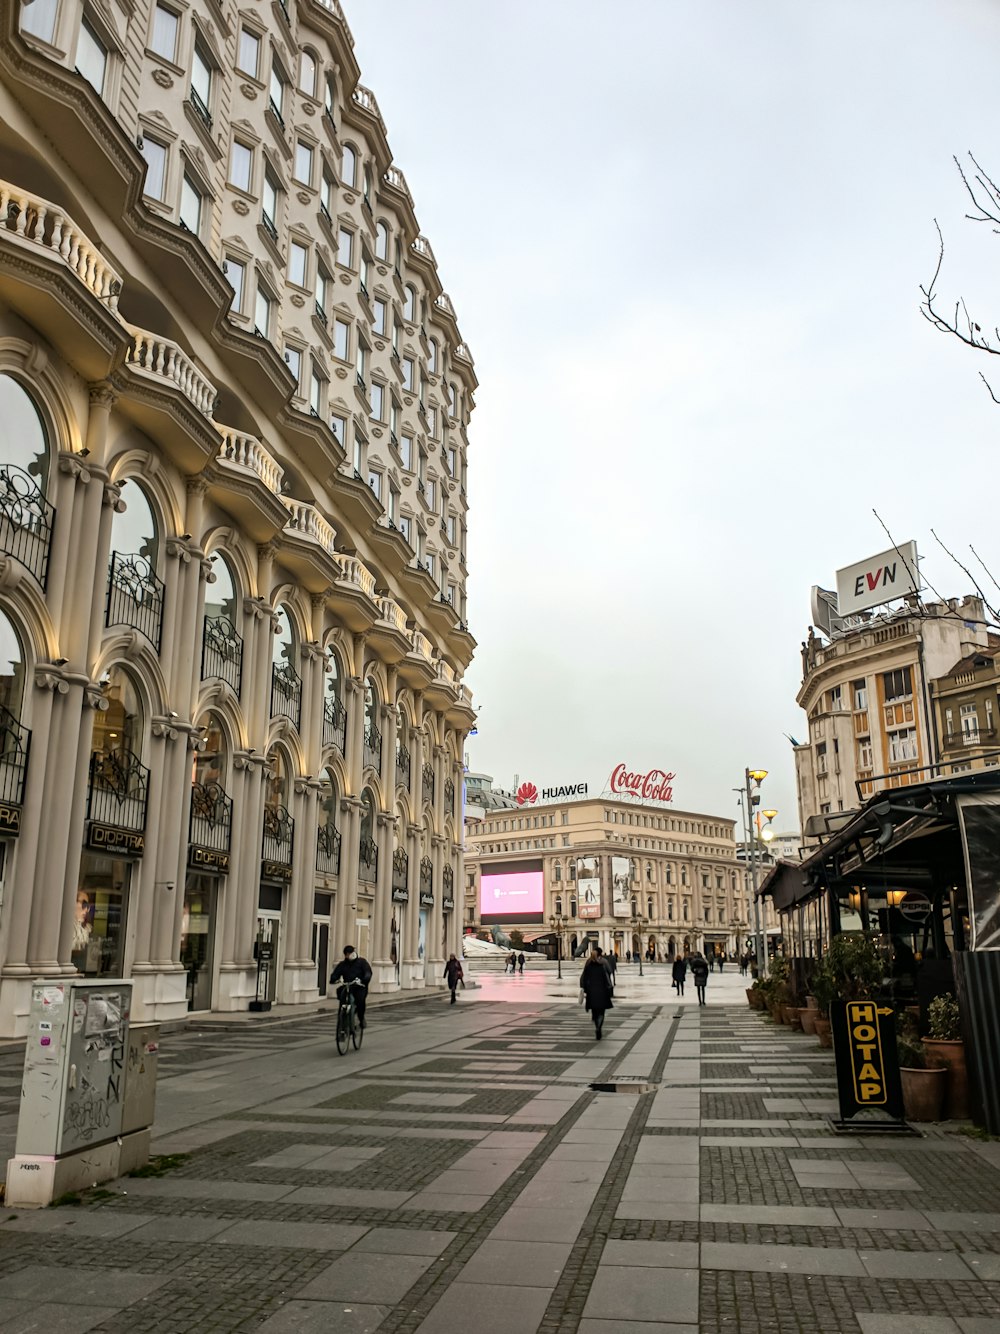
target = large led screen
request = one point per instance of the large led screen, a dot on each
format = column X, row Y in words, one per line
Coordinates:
column 511, row 893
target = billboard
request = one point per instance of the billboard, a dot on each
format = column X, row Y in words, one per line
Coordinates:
column 511, row 893
column 621, row 887
column 588, row 887
column 890, row 574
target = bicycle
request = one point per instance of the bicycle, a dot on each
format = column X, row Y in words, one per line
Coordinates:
column 348, row 1025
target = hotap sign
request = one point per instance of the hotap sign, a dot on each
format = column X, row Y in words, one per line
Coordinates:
column 654, row 785
column 864, row 1043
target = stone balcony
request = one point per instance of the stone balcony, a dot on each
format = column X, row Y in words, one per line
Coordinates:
column 309, row 545
column 352, row 595
column 245, row 481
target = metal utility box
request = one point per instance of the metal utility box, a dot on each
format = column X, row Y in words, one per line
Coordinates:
column 74, row 1066
column 141, row 1062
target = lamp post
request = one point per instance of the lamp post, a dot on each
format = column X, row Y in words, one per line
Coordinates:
column 635, row 932
column 754, row 778
column 556, row 923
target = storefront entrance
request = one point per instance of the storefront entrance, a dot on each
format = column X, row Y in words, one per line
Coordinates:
column 268, row 942
column 363, row 924
column 322, row 909
column 198, row 939
column 101, row 911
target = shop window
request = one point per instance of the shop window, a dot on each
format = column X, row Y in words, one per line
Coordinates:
column 119, row 782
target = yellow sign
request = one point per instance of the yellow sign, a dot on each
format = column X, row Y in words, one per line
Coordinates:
column 867, row 1059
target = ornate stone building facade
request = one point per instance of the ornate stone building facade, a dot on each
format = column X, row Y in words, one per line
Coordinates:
column 232, row 514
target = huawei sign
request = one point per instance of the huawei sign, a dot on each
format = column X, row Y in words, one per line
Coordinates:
column 527, row 794
column 656, row 785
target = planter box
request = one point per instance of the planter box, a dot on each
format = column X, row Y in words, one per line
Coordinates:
column 923, row 1093
column 950, row 1056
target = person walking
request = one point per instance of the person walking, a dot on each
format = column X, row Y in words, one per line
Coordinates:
column 699, row 971
column 722, row 960
column 595, row 983
column 453, row 975
column 520, row 962
column 678, row 972
column 711, row 963
column 609, row 963
column 512, row 961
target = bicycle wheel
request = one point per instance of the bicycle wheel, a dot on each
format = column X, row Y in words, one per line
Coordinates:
column 357, row 1032
column 343, row 1030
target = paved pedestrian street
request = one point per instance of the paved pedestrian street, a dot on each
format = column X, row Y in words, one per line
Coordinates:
column 458, row 1174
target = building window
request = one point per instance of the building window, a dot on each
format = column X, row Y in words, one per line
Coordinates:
column 248, row 60
column 345, row 248
column 835, row 700
column 92, row 58
column 860, row 691
column 898, row 684
column 269, row 205
column 164, row 38
column 322, row 289
column 342, row 340
column 316, row 393
column 864, row 752
column 276, row 92
column 338, row 425
column 382, row 241
column 821, row 758
column 236, row 274
column 241, row 166
column 190, row 210
column 408, row 374
column 902, row 745
column 39, row 19
column 307, row 73
column 201, row 85
column 155, row 154
column 303, row 163
column 970, row 724
column 325, row 194
column 262, row 313
column 349, row 166
column 293, row 360
column 381, row 310
column 410, row 305
column 298, row 257
column 406, row 527
column 375, row 482
column 377, row 401
column 432, row 361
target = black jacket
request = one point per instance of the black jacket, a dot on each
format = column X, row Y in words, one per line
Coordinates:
column 699, row 971
column 453, row 972
column 356, row 969
column 596, row 985
column 679, row 969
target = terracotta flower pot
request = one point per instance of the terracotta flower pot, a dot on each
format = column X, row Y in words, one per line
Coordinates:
column 923, row 1093
column 792, row 1017
column 823, row 1030
column 951, row 1057
column 751, row 998
column 812, row 1003
column 808, row 1018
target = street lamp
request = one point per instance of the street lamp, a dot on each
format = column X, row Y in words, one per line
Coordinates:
column 556, row 923
column 762, row 834
column 635, row 932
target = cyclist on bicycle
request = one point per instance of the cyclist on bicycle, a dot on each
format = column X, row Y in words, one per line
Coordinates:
column 354, row 968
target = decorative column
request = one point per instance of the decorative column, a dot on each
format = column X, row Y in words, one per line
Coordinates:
column 384, row 970
column 412, row 968
column 347, row 881
column 299, row 974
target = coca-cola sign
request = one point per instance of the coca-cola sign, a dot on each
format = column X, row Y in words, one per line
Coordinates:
column 656, row 785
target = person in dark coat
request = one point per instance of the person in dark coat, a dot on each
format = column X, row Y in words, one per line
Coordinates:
column 699, row 971
column 520, row 962
column 596, row 987
column 678, row 972
column 453, row 975
column 512, row 961
column 609, row 962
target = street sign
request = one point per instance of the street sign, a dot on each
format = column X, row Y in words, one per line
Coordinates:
column 915, row 906
column 868, row 1084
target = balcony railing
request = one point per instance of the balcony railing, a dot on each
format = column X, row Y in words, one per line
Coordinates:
column 278, row 840
column 306, row 522
column 15, row 746
column 222, row 652
column 119, row 790
column 37, row 223
column 334, row 723
column 373, row 746
column 427, row 786
column 328, row 849
column 392, row 613
column 449, row 794
column 211, row 823
column 356, row 573
column 973, row 736
column 246, row 451
column 402, row 765
column 426, row 879
column 368, row 860
column 26, row 521
column 135, row 596
column 400, row 872
column 161, row 359
column 198, row 102
column 447, row 888
column 286, row 692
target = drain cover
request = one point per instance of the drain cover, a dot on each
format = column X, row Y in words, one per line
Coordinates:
column 625, row 1086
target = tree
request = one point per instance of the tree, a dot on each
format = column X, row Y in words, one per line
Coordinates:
column 516, row 939
column 984, row 195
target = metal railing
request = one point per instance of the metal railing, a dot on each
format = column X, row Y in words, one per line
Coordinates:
column 26, row 521
column 402, row 765
column 373, row 746
column 426, row 876
column 135, row 596
column 334, row 723
column 15, row 747
column 427, row 784
column 400, row 871
column 328, row 849
column 118, row 791
column 368, row 860
column 286, row 692
column 222, row 652
column 278, row 841
column 211, row 822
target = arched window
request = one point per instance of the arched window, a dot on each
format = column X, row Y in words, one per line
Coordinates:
column 432, row 360
column 382, row 241
column 633, row 869
column 572, row 870
column 367, row 191
column 402, row 749
column 572, row 907
column 368, row 849
column 558, row 871
column 279, row 827
column 372, row 733
column 649, row 871
column 649, row 909
column 670, row 910
column 286, row 684
column 327, row 833
column 11, row 668
column 118, row 729
column 558, row 907
column 135, row 591
column 349, row 166
column 222, row 643
column 307, row 73
column 210, row 764
column 211, row 805
column 334, row 709
column 25, row 444
column 410, row 304
column 26, row 517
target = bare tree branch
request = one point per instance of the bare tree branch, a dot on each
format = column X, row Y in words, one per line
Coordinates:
column 965, row 570
column 989, row 389
column 985, row 566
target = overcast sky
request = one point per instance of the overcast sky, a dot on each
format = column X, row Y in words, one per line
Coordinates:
column 684, row 239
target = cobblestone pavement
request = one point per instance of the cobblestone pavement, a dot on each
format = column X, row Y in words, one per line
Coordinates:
column 459, row 1174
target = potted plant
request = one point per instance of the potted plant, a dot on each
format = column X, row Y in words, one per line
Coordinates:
column 824, row 991
column 923, row 1087
column 777, row 984
column 944, row 1048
